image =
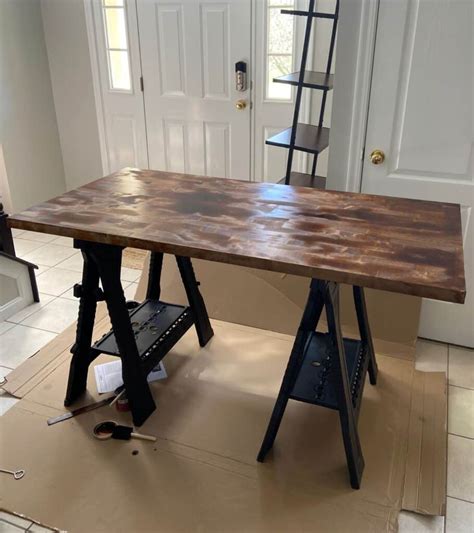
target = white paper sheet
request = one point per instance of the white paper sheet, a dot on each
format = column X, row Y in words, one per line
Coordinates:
column 108, row 376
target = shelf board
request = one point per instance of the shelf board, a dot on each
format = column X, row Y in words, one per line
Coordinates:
column 318, row 382
column 314, row 14
column 301, row 179
column 312, row 80
column 157, row 326
column 309, row 138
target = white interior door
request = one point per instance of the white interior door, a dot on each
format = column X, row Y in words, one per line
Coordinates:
column 421, row 117
column 117, row 56
column 189, row 49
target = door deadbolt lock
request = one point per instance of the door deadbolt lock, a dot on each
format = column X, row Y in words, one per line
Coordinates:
column 241, row 76
column 377, row 157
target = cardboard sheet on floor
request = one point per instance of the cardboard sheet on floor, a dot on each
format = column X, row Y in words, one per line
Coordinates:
column 275, row 302
column 201, row 475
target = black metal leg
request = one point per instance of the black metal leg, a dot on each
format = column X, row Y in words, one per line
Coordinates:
column 153, row 291
column 364, row 330
column 309, row 321
column 81, row 350
column 196, row 301
column 108, row 259
column 355, row 460
column 7, row 246
column 6, row 236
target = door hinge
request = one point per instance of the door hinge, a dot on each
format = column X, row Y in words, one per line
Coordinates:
column 142, row 85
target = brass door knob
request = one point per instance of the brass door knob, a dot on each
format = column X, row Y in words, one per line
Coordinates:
column 377, row 157
column 241, row 105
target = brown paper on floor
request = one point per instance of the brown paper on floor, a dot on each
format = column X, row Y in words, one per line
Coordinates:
column 202, row 475
column 275, row 302
column 425, row 480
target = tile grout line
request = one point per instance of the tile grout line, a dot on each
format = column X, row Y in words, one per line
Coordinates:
column 460, row 387
column 33, row 313
column 54, row 297
column 34, row 327
column 40, row 329
column 461, row 500
column 462, row 347
column 458, row 435
column 5, row 521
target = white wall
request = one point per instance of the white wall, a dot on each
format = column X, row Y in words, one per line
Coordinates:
column 71, row 77
column 28, row 128
column 5, row 196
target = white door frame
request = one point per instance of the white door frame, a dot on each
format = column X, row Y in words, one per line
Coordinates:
column 99, row 107
column 354, row 62
column 129, row 109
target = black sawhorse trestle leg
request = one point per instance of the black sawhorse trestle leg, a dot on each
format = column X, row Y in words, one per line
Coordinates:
column 82, row 354
column 327, row 370
column 364, row 331
column 156, row 327
column 191, row 285
column 196, row 302
column 104, row 261
column 309, row 321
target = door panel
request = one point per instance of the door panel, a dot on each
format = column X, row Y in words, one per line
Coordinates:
column 169, row 24
column 215, row 54
column 124, row 148
column 188, row 50
column 421, row 117
column 115, row 29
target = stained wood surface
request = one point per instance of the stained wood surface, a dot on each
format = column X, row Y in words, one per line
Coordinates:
column 400, row 245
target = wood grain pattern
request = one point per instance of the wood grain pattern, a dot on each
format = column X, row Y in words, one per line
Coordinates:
column 400, row 245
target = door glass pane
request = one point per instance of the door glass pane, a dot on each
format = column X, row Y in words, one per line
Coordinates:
column 278, row 66
column 280, row 33
column 280, row 48
column 113, row 3
column 119, row 70
column 116, row 28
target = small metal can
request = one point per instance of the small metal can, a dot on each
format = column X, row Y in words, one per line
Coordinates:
column 122, row 404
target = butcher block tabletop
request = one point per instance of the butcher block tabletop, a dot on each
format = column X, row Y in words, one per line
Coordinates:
column 394, row 244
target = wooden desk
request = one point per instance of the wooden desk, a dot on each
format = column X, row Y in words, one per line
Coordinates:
column 407, row 246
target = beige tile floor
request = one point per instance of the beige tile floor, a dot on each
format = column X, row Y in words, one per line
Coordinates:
column 60, row 265
column 10, row 523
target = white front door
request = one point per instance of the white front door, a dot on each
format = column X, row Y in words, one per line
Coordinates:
column 189, row 49
column 421, row 117
column 113, row 28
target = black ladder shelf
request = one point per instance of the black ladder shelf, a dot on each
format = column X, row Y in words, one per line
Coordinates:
column 307, row 137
